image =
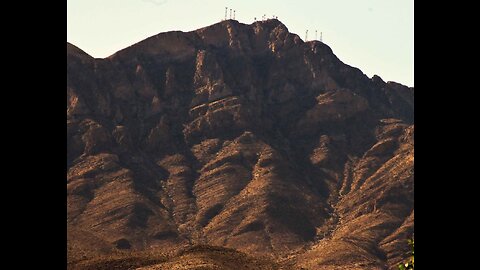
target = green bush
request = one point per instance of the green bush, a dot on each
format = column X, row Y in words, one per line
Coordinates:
column 409, row 264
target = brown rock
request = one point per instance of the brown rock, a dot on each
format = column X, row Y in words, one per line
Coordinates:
column 237, row 136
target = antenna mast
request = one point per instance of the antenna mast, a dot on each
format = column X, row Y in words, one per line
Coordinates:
column 306, row 35
column 226, row 8
column 234, row 14
column 321, row 36
column 230, row 13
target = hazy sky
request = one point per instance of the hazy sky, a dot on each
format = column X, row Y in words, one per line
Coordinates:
column 373, row 35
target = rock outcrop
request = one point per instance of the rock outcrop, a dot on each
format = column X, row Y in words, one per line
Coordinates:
column 239, row 136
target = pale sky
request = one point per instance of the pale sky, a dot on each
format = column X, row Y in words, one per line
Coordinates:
column 375, row 36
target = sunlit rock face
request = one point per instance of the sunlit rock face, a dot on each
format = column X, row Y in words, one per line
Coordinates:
column 239, row 136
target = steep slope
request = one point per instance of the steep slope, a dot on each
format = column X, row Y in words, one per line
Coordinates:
column 240, row 136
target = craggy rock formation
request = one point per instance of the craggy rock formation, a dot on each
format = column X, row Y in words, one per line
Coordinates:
column 239, row 136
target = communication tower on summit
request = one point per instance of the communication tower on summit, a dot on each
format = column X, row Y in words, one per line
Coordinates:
column 234, row 14
column 226, row 8
column 230, row 13
column 306, row 35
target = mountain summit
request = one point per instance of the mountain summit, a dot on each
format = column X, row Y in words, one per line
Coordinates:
column 240, row 143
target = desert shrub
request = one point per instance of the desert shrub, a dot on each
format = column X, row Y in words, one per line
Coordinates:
column 410, row 262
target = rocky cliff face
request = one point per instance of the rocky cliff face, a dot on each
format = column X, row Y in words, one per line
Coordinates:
column 240, row 136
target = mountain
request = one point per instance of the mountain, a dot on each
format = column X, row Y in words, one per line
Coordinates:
column 236, row 143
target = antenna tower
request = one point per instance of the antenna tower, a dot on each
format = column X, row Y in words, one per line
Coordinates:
column 226, row 8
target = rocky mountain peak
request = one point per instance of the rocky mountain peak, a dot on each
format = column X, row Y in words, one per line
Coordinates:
column 242, row 137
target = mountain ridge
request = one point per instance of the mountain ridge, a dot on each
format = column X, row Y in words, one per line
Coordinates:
column 240, row 136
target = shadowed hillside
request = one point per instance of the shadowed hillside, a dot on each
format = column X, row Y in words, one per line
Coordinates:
column 236, row 136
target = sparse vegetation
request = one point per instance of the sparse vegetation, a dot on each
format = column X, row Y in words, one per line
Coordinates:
column 410, row 263
column 122, row 260
column 200, row 256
